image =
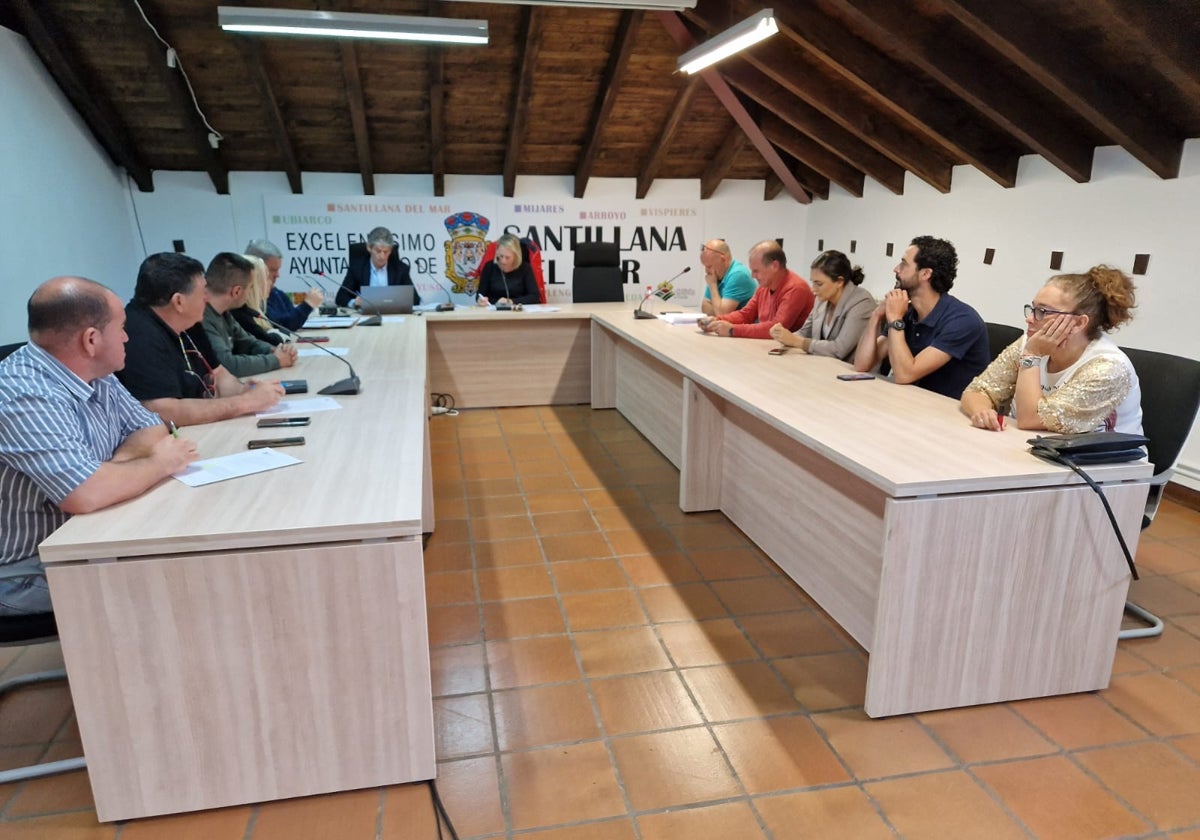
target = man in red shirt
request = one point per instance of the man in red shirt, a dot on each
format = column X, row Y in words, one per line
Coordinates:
column 783, row 297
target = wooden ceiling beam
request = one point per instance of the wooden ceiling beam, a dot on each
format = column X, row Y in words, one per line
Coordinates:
column 675, row 27
column 437, row 119
column 1021, row 38
column 818, row 128
column 674, row 118
column 358, row 115
column 719, row 166
column 812, row 154
column 814, row 183
column 775, row 61
column 252, row 53
column 1164, row 35
column 51, row 44
column 892, row 87
column 952, row 63
column 184, row 108
column 610, row 86
column 531, row 25
column 772, row 187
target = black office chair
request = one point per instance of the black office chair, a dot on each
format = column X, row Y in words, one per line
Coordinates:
column 1170, row 399
column 7, row 350
column 28, row 630
column 1000, row 336
column 597, row 277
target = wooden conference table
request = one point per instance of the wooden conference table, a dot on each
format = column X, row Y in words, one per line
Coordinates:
column 265, row 638
column 971, row 571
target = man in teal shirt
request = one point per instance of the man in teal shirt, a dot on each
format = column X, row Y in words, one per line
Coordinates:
column 728, row 283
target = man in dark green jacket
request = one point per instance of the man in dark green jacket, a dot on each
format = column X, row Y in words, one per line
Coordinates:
column 239, row 352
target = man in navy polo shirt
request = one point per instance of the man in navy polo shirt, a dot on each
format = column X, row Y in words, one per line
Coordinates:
column 931, row 338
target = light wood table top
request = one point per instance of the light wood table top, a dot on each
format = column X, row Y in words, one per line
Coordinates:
column 360, row 477
column 905, row 440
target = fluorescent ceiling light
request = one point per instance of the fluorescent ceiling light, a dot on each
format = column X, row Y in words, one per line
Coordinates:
column 734, row 39
column 351, row 25
column 653, row 5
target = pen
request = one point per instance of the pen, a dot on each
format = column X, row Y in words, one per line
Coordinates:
column 171, row 427
column 1000, row 417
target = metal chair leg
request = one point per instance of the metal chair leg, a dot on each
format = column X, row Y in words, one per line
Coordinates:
column 49, row 768
column 1155, row 628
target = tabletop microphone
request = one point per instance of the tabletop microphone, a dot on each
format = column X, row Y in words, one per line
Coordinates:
column 507, row 295
column 375, row 319
column 643, row 314
column 343, row 387
column 448, row 306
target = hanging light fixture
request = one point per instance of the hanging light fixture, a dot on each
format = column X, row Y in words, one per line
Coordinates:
column 734, row 39
column 351, row 25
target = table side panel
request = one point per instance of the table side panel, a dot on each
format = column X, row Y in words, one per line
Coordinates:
column 700, row 471
column 821, row 524
column 999, row 596
column 491, row 363
column 604, row 367
column 211, row 680
column 650, row 396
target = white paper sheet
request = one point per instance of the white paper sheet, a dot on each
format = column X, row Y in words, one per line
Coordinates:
column 681, row 317
column 301, row 352
column 541, row 307
column 308, row 405
column 327, row 322
column 212, row 470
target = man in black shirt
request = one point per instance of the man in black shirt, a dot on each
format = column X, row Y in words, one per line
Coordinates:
column 170, row 365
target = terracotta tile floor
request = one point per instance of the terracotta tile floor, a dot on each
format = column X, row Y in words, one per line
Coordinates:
column 608, row 668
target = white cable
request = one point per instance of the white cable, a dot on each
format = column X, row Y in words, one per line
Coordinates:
column 179, row 62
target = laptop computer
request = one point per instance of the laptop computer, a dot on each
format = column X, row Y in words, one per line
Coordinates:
column 387, row 300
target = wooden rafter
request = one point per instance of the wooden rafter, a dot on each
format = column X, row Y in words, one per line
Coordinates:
column 670, row 126
column 772, row 187
column 252, row 52
column 720, row 88
column 358, row 115
column 1166, row 35
column 814, row 125
column 953, row 64
column 531, row 25
column 1037, row 50
column 50, row 43
column 813, row 182
column 892, row 88
column 437, row 120
column 775, row 61
column 610, row 86
column 718, row 167
column 804, row 149
column 181, row 98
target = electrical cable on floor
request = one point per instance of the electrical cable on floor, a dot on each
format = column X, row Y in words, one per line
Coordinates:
column 439, row 811
column 442, row 404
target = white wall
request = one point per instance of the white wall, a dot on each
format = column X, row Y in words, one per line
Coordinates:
column 1124, row 210
column 64, row 207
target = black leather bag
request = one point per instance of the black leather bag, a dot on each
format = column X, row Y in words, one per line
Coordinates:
column 1090, row 447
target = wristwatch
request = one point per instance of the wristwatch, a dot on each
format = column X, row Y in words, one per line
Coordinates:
column 1030, row 361
column 898, row 324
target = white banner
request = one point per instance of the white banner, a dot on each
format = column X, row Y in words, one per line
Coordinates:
column 443, row 239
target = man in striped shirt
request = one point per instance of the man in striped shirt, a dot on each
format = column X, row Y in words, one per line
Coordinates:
column 72, row 439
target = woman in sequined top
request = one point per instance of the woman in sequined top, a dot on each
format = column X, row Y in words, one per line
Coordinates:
column 1065, row 375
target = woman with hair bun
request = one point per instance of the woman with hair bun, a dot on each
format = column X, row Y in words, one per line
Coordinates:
column 841, row 313
column 1065, row 375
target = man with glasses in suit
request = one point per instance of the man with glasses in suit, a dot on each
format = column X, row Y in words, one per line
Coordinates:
column 72, row 439
column 171, row 366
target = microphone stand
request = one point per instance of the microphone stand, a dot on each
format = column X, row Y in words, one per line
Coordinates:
column 448, row 306
column 640, row 313
column 375, row 319
column 343, row 387
column 507, row 294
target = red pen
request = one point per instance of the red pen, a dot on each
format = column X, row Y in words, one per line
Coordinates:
column 1000, row 417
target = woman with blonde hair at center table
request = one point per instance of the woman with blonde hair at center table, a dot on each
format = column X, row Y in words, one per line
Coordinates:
column 250, row 314
column 1065, row 375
